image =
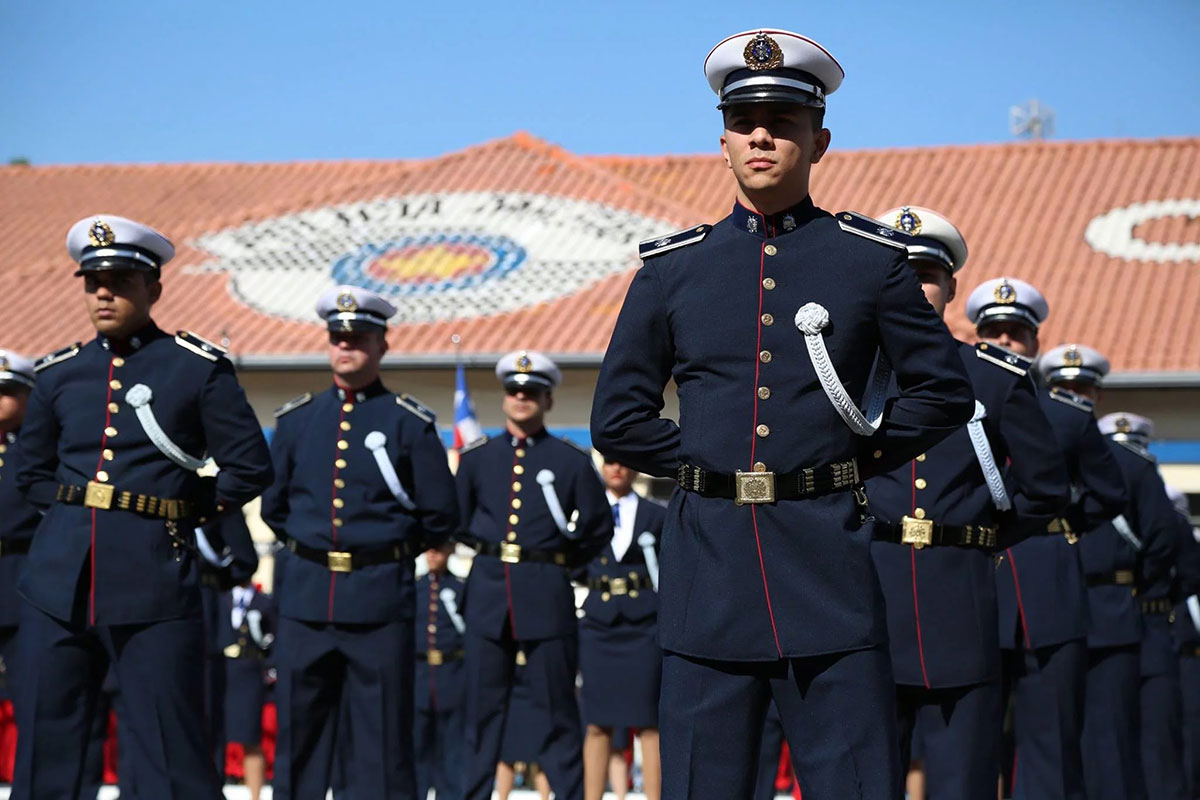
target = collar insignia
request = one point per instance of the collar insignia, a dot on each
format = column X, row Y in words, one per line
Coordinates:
column 789, row 222
column 763, row 52
column 752, row 224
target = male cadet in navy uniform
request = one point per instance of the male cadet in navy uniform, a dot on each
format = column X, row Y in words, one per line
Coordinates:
column 1040, row 583
column 534, row 507
column 1186, row 627
column 18, row 519
column 940, row 519
column 619, row 656
column 246, row 637
column 1142, row 535
column 1159, row 697
column 115, row 431
column 362, row 486
column 769, row 588
column 439, row 678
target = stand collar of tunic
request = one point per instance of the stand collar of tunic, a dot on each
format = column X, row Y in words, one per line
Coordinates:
column 768, row 226
column 141, row 337
column 373, row 389
column 530, row 440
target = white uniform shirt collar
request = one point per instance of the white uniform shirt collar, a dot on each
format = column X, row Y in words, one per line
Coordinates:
column 623, row 532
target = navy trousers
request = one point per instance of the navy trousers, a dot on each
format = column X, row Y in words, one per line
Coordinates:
column 960, row 734
column 550, row 673
column 159, row 667
column 1112, row 760
column 838, row 713
column 1046, row 688
column 1189, row 678
column 320, row 666
column 1161, row 704
column 439, row 753
column 769, row 752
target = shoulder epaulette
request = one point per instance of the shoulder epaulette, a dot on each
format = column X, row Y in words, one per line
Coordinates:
column 480, row 442
column 412, row 404
column 199, row 345
column 1138, row 451
column 1072, row 399
column 57, row 356
column 293, row 404
column 587, row 451
column 873, row 229
column 1003, row 357
column 672, row 241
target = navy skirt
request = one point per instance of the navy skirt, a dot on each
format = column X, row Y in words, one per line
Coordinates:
column 245, row 693
column 621, row 666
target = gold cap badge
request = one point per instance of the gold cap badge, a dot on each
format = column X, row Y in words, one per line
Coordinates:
column 908, row 221
column 524, row 362
column 1123, row 425
column 346, row 302
column 1073, row 358
column 763, row 52
column 1005, row 293
column 100, row 235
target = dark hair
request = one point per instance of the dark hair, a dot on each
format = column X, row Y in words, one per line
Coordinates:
column 818, row 118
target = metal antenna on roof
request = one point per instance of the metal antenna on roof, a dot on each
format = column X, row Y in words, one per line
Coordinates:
column 1031, row 121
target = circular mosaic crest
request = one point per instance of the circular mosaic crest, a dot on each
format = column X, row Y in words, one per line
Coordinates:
column 437, row 256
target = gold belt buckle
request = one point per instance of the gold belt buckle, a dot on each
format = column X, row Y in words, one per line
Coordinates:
column 917, row 532
column 339, row 561
column 233, row 651
column 618, row 586
column 510, row 553
column 754, row 487
column 435, row 658
column 98, row 495
column 1123, row 577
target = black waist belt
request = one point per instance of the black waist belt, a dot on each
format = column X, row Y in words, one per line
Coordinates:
column 438, row 657
column 14, row 547
column 104, row 496
column 343, row 561
column 511, row 553
column 768, row 487
column 1121, row 577
column 922, row 533
column 1157, row 607
column 614, row 586
column 1190, row 650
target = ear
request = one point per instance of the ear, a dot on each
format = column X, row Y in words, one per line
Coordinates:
column 549, row 401
column 951, row 289
column 725, row 152
column 154, row 289
column 820, row 144
column 383, row 344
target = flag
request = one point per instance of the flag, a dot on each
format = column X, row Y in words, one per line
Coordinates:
column 466, row 426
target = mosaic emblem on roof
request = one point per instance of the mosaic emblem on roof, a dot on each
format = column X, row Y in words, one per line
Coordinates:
column 437, row 257
column 1112, row 233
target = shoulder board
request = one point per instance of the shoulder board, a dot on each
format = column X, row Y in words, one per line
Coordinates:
column 412, row 404
column 57, row 356
column 1003, row 357
column 587, row 451
column 480, row 442
column 1072, row 399
column 199, row 345
column 1139, row 451
column 672, row 241
column 293, row 404
column 873, row 229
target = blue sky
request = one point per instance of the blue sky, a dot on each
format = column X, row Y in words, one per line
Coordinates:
column 141, row 81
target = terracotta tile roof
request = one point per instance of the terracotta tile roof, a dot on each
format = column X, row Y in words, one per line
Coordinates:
column 518, row 243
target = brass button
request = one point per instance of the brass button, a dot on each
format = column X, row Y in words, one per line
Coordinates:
column 763, row 431
column 338, row 502
column 101, row 475
column 114, row 384
column 520, row 452
column 921, row 457
column 920, row 483
column 760, row 466
column 770, row 250
column 603, row 560
column 432, row 628
column 337, row 522
column 340, row 463
column 768, row 320
column 512, row 536
column 339, row 483
column 110, row 431
column 768, row 283
column 343, row 444
column 518, row 470
column 113, row 408
column 516, row 503
column 765, row 356
column 633, row 594
column 878, row 454
column 513, row 519
column 3, row 448
column 347, row 407
column 763, row 392
column 108, row 454
column 118, row 361
column 344, row 425
column 516, row 486
column 433, row 606
column 919, row 513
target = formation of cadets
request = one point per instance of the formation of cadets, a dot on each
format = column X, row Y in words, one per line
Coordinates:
column 882, row 540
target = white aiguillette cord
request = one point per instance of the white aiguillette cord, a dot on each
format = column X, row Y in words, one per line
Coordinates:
column 646, row 541
column 546, row 479
column 139, row 397
column 375, row 442
column 451, row 604
column 987, row 461
column 811, row 319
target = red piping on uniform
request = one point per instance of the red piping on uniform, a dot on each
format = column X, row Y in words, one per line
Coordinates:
column 1012, row 563
column 512, row 618
column 99, row 465
column 349, row 399
column 754, row 442
column 912, row 552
